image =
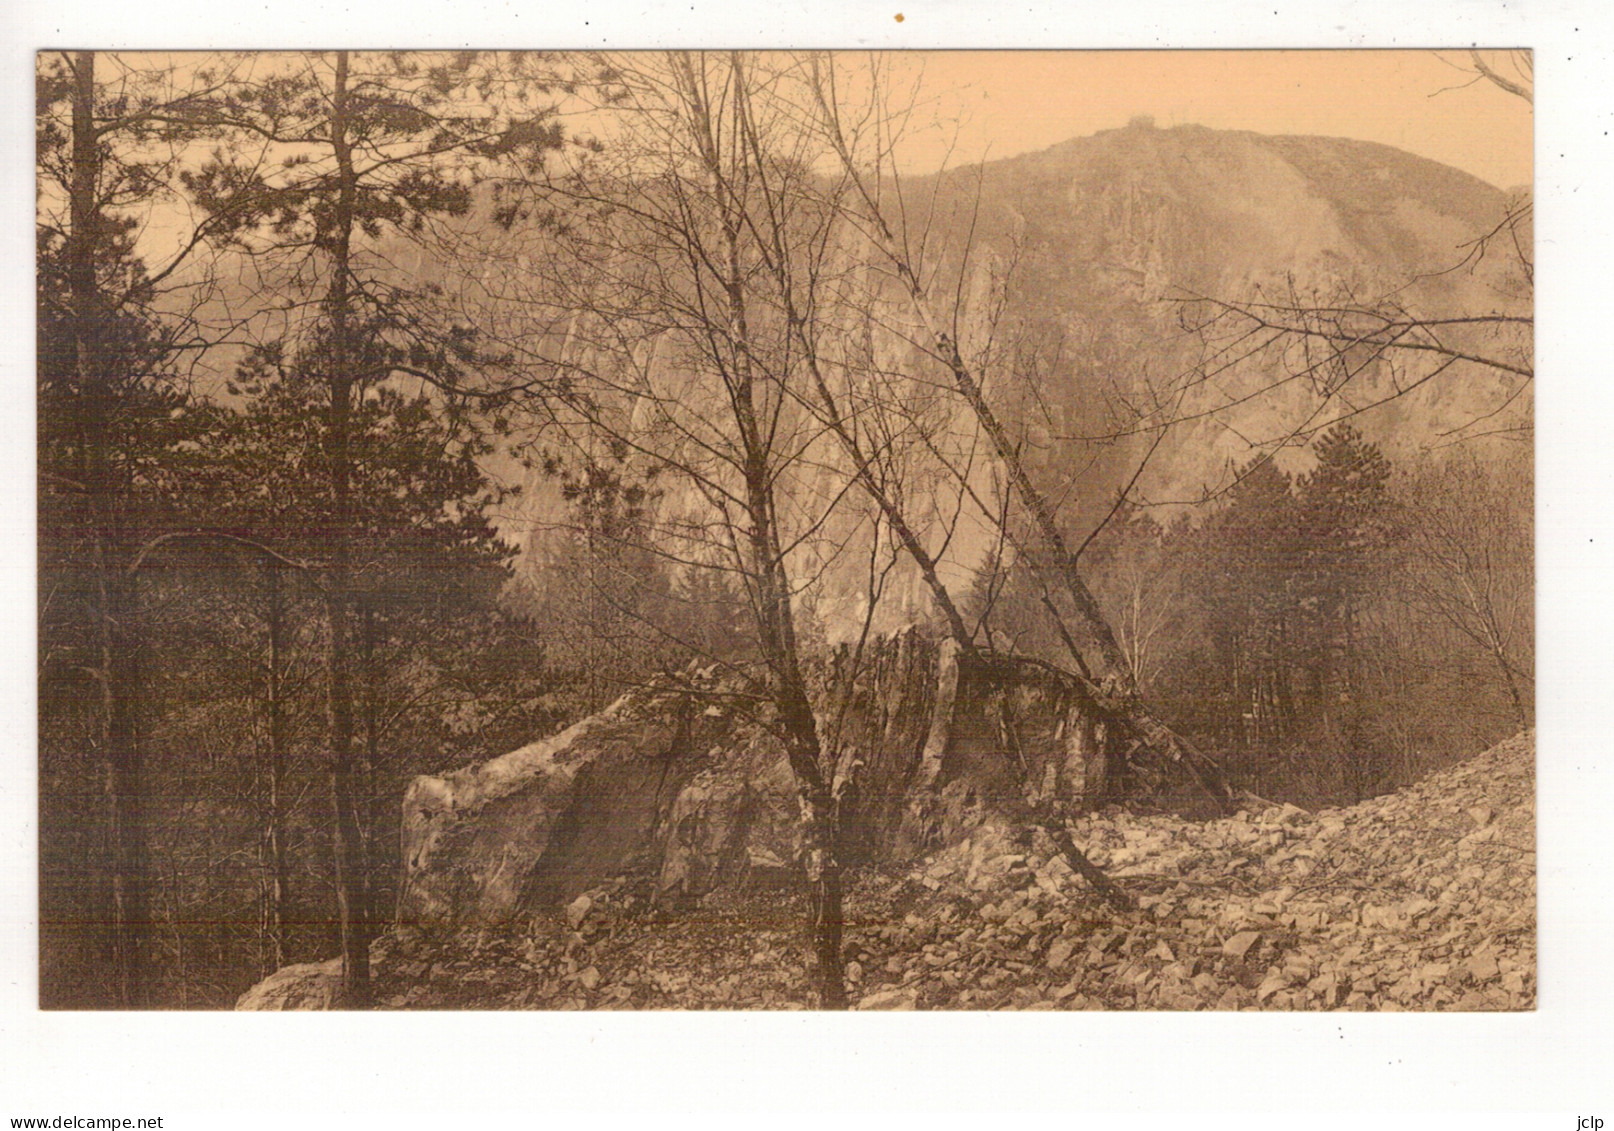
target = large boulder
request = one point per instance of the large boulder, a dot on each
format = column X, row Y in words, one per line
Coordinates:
column 679, row 784
column 544, row 822
column 308, row 985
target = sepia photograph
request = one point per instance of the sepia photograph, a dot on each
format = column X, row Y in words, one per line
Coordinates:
column 764, row 530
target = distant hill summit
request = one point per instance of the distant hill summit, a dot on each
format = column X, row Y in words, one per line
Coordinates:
column 1109, row 233
column 1208, row 207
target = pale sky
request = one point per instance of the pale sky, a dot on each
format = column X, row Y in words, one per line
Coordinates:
column 992, row 104
column 1009, row 102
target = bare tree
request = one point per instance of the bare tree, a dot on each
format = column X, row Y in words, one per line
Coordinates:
column 862, row 146
column 1470, row 562
column 672, row 324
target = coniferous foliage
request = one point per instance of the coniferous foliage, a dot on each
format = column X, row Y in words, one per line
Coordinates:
column 234, row 655
column 116, row 432
column 1291, row 570
column 191, row 545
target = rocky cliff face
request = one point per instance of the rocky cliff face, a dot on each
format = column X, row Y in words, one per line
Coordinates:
column 1114, row 230
column 1095, row 244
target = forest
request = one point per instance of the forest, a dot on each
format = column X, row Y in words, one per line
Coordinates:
column 396, row 410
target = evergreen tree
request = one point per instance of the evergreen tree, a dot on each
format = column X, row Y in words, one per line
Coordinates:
column 1247, row 589
column 1346, row 529
column 380, row 152
column 116, row 432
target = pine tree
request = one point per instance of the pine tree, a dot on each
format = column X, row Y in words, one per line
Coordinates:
column 381, row 151
column 1346, row 529
column 116, row 427
column 1248, row 592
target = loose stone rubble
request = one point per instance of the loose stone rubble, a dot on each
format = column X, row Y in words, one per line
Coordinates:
column 1424, row 899
column 1419, row 900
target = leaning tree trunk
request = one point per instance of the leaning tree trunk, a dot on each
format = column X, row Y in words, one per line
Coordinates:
column 1093, row 647
column 1497, row 647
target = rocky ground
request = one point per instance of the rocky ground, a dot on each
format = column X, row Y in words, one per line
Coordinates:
column 1418, row 900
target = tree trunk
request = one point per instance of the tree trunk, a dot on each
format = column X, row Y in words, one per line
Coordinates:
column 376, row 861
column 1519, row 711
column 1093, row 647
column 275, row 833
column 349, row 844
column 1108, row 889
column 826, row 918
column 112, row 592
column 821, row 829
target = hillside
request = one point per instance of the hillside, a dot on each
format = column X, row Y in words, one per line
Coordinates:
column 1113, row 231
column 1095, row 243
column 1422, row 899
column 1207, row 210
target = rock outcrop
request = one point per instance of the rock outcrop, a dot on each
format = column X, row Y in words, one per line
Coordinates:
column 681, row 786
column 1418, row 900
column 305, row 986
